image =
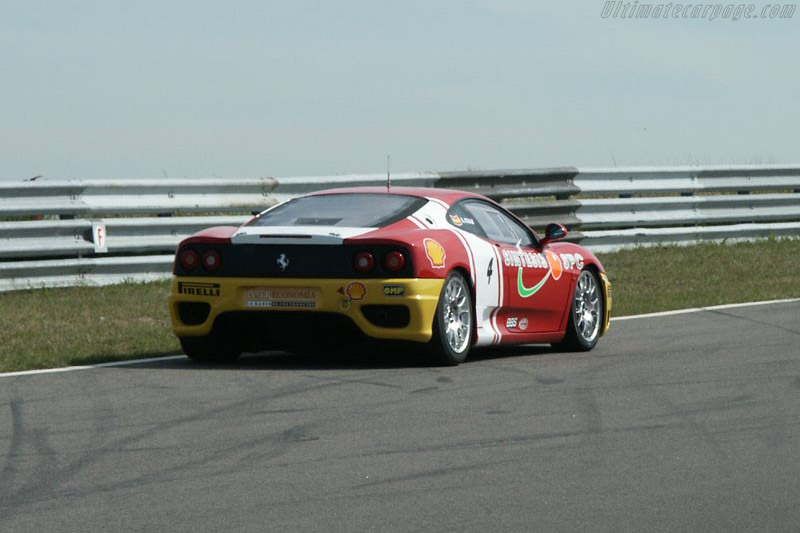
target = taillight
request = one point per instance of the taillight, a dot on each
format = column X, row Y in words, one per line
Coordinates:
column 364, row 261
column 394, row 261
column 212, row 260
column 189, row 259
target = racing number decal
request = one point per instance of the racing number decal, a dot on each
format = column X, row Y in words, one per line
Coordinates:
column 486, row 272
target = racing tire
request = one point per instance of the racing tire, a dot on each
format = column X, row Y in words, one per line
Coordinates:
column 209, row 349
column 585, row 315
column 454, row 322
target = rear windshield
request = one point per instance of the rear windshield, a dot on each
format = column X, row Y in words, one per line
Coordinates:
column 355, row 210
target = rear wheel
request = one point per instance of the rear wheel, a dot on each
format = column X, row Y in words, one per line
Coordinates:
column 586, row 315
column 209, row 349
column 453, row 324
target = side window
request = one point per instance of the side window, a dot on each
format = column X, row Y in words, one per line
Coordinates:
column 461, row 218
column 497, row 225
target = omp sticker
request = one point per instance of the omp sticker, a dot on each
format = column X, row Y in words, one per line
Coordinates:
column 511, row 322
column 523, row 324
column 435, row 253
column 394, row 290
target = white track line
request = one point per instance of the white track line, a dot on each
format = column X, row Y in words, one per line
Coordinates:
column 86, row 367
column 698, row 309
column 176, row 357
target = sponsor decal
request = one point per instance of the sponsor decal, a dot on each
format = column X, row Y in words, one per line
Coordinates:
column 281, row 297
column 519, row 323
column 572, row 261
column 555, row 265
column 353, row 291
column 555, row 269
column 519, row 258
column 356, row 290
column 460, row 221
column 283, row 262
column 489, row 270
column 198, row 289
column 260, row 303
column 394, row 290
column 549, row 260
column 435, row 253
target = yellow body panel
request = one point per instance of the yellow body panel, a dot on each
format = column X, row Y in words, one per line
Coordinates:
column 607, row 293
column 421, row 296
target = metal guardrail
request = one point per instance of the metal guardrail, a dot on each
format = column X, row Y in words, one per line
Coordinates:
column 142, row 196
column 83, row 271
column 106, row 231
column 627, row 207
column 611, row 240
column 73, row 238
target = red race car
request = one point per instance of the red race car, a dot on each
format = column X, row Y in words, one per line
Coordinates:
column 446, row 268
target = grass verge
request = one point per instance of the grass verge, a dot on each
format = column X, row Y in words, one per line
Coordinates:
column 46, row 328
column 647, row 280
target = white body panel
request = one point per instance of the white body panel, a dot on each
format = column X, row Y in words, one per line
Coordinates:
column 482, row 254
column 295, row 234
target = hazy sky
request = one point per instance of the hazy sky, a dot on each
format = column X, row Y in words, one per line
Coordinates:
column 256, row 88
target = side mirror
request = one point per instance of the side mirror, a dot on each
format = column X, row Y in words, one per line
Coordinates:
column 553, row 232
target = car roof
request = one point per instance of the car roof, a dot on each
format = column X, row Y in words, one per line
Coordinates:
column 449, row 196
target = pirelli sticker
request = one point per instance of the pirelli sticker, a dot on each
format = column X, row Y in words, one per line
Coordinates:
column 198, row 289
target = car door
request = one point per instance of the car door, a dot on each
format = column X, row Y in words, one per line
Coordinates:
column 536, row 291
column 487, row 274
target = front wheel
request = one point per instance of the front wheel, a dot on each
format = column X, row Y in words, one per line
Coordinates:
column 586, row 315
column 209, row 349
column 454, row 322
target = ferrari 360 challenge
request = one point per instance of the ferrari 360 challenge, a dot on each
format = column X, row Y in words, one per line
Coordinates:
column 446, row 268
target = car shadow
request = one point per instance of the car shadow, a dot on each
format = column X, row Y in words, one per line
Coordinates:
column 368, row 357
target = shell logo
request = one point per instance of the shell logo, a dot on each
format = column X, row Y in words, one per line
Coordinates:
column 435, row 253
column 356, row 290
column 555, row 264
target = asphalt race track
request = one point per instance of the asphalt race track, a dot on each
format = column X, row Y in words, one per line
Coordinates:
column 688, row 422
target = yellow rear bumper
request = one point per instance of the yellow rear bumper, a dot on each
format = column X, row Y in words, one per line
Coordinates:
column 342, row 296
